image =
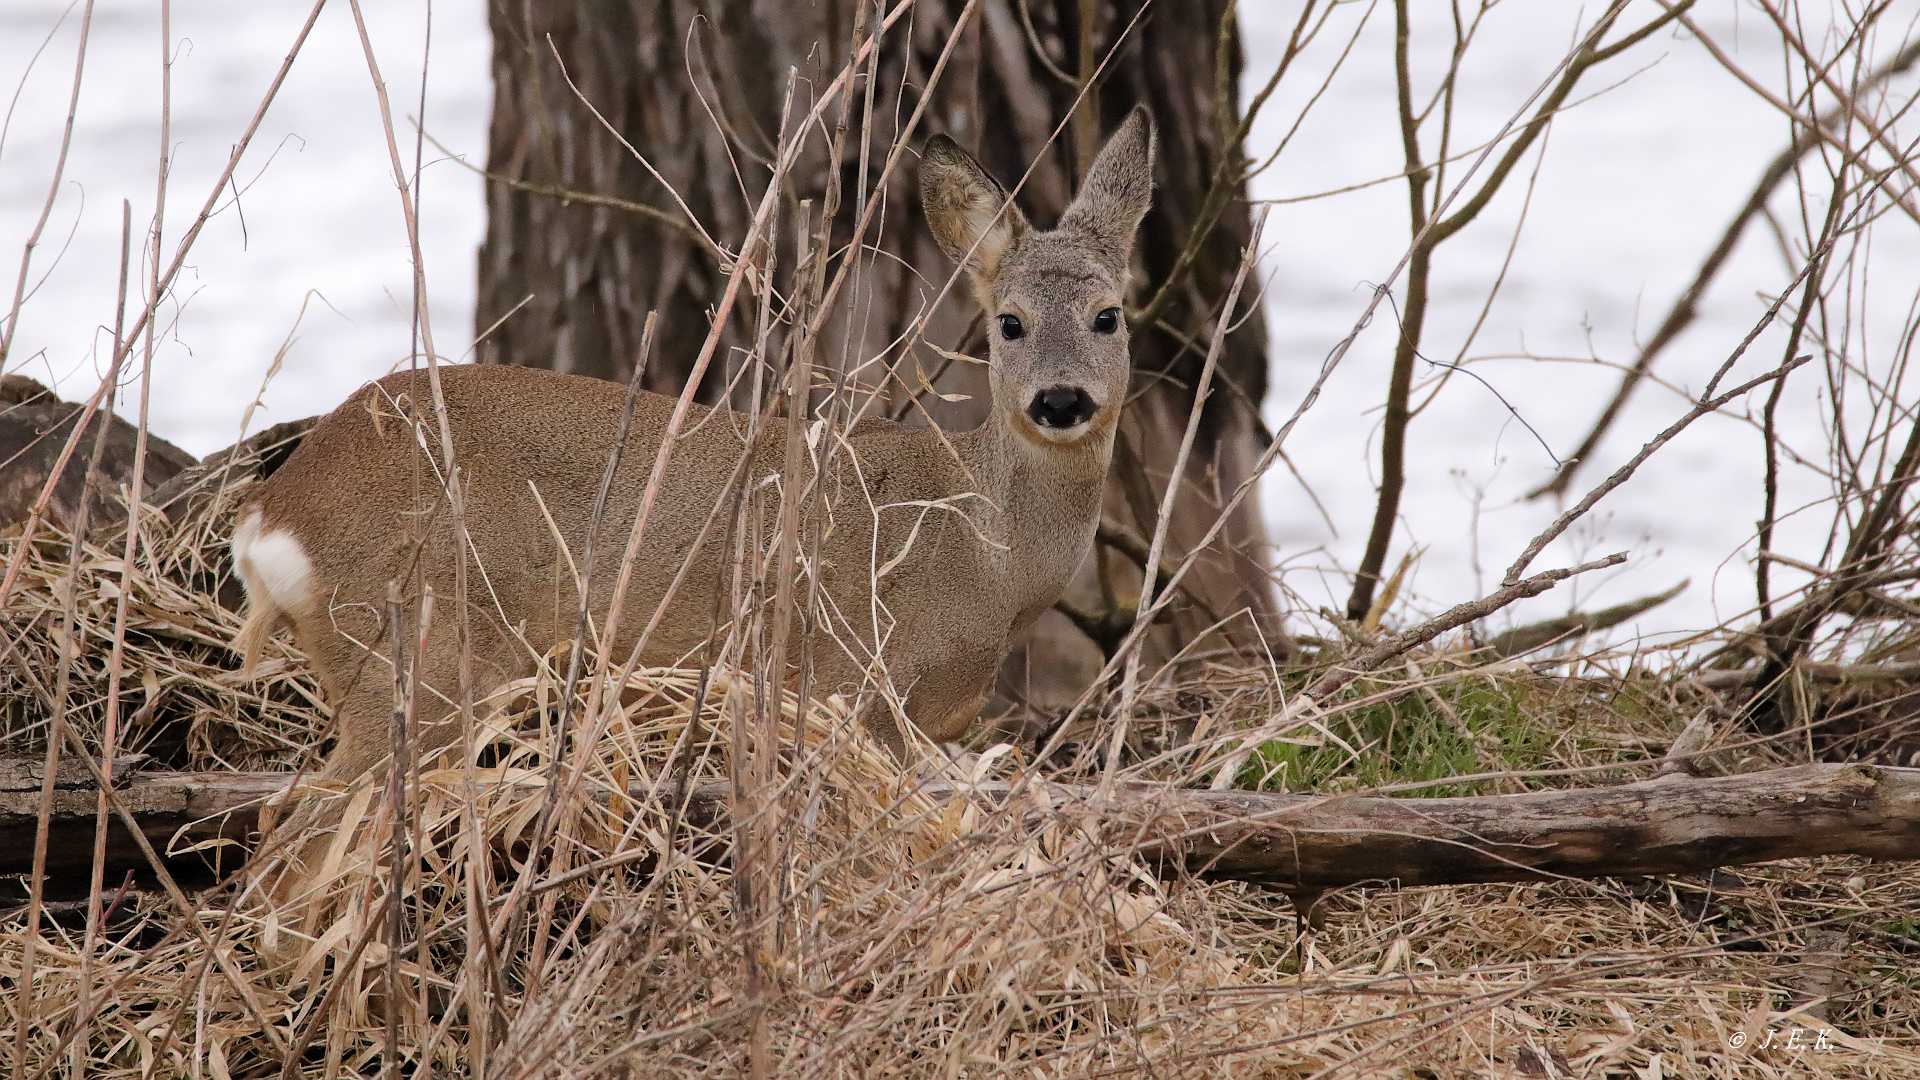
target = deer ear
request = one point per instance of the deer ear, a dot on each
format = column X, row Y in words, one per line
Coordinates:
column 968, row 213
column 1118, row 189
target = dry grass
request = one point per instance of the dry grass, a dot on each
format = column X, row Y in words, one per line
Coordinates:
column 185, row 704
column 902, row 934
column 847, row 922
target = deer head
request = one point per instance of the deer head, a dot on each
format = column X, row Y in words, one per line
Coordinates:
column 1058, row 337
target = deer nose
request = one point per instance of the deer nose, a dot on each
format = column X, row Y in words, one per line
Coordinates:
column 1062, row 407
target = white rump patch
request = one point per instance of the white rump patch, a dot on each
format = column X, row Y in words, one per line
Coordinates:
column 272, row 564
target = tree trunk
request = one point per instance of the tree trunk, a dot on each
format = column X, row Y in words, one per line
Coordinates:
column 697, row 88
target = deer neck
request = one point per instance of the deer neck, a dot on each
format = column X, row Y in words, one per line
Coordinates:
column 1046, row 502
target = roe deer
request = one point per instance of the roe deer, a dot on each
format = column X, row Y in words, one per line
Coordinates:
column 931, row 566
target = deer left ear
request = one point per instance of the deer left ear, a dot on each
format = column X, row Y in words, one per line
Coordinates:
column 966, row 210
column 1118, row 189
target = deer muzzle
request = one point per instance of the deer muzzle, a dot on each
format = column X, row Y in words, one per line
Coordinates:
column 1062, row 407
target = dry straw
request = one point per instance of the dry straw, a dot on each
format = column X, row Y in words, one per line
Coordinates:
column 912, row 929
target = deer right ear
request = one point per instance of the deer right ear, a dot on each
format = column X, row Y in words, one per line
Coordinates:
column 1117, row 190
column 968, row 213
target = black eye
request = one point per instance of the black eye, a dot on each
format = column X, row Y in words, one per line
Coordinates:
column 1107, row 322
column 1010, row 327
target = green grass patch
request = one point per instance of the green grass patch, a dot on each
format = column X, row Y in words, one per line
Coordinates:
column 1458, row 727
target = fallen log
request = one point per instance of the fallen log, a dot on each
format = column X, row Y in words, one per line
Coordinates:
column 34, row 428
column 177, row 808
column 1904, row 672
column 1672, row 824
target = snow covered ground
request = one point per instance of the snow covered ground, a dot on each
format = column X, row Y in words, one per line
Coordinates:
column 308, row 261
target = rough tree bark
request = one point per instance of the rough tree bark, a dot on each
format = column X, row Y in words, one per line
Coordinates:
column 697, row 88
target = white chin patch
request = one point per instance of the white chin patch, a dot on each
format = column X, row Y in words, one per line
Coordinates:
column 1063, row 436
column 272, row 564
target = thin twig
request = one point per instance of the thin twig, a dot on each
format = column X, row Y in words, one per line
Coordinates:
column 1624, row 472
column 1163, row 521
column 53, row 194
